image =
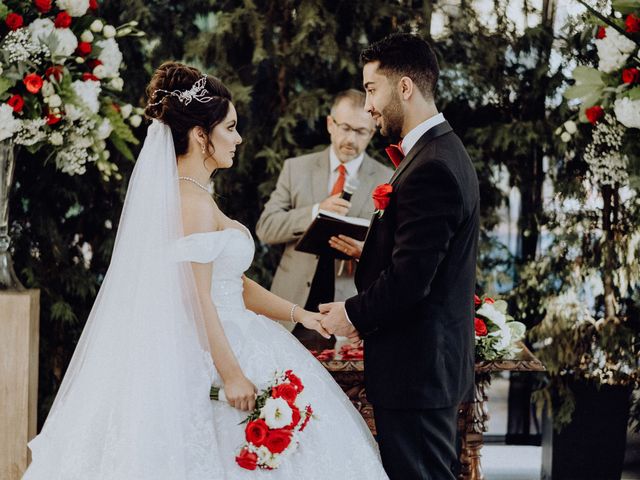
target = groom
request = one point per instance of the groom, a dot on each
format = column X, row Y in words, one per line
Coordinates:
column 416, row 275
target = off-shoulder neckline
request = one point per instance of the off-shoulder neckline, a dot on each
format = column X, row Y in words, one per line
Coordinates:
column 244, row 231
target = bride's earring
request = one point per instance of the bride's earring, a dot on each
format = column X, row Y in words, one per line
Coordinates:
column 204, row 148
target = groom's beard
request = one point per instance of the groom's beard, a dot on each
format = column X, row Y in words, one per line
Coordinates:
column 393, row 118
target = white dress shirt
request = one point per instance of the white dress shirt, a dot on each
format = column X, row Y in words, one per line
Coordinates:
column 352, row 166
column 411, row 138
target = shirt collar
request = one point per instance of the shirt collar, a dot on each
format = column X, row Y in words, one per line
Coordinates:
column 352, row 166
column 411, row 138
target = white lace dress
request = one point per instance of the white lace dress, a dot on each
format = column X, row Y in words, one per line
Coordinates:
column 336, row 445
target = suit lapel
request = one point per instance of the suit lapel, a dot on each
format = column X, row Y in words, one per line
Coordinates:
column 430, row 135
column 320, row 176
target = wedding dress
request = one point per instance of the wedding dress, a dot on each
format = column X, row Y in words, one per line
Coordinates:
column 134, row 403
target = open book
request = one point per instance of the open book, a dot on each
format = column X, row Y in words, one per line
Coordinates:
column 326, row 225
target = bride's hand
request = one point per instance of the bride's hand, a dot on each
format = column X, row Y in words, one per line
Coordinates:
column 311, row 321
column 240, row 393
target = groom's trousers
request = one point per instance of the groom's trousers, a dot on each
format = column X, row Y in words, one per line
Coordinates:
column 417, row 444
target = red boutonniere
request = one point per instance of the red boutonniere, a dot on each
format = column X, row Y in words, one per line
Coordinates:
column 381, row 197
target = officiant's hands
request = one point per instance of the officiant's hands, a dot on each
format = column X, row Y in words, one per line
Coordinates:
column 335, row 321
column 347, row 245
column 336, row 204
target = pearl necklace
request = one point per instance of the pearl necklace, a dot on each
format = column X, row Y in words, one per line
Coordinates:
column 194, row 181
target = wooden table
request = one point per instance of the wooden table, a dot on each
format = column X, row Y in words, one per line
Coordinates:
column 472, row 416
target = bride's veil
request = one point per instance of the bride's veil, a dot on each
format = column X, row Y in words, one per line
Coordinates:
column 135, row 394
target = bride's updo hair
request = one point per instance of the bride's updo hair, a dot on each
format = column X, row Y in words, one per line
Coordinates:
column 182, row 118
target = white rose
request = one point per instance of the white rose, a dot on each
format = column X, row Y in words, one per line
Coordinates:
column 613, row 50
column 47, row 89
column 109, row 31
column 110, row 56
column 88, row 92
column 117, row 84
column 627, row 112
column 99, row 71
column 54, row 101
column 96, row 26
column 87, row 36
column 66, row 43
column 56, row 139
column 135, row 121
column 105, row 129
column 276, row 413
column 8, row 124
column 75, row 8
column 41, row 28
column 126, row 110
column 571, row 126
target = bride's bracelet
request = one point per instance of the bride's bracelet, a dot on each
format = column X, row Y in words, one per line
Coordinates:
column 293, row 309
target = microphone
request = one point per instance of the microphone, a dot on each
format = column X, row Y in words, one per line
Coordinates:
column 350, row 186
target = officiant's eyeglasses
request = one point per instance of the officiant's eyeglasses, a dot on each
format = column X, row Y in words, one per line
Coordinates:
column 346, row 128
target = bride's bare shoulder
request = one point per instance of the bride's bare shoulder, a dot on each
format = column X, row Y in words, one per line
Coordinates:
column 199, row 213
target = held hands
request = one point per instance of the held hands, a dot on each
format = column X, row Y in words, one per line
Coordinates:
column 336, row 204
column 311, row 321
column 240, row 393
column 335, row 321
column 347, row 245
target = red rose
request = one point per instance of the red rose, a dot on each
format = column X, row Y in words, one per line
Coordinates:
column 53, row 118
column 633, row 23
column 89, row 76
column 63, row 20
column 602, row 33
column 481, row 327
column 489, row 300
column 93, row 63
column 93, row 4
column 476, row 300
column 308, row 412
column 594, row 114
column 295, row 417
column 256, row 432
column 295, row 380
column 84, row 49
column 631, row 75
column 278, row 440
column 247, row 459
column 33, row 82
column 381, row 196
column 286, row 391
column 43, row 5
column 14, row 21
column 55, row 72
column 16, row 102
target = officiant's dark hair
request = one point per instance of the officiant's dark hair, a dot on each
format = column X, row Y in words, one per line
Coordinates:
column 406, row 55
column 182, row 118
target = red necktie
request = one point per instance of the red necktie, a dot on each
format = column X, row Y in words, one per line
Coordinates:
column 339, row 185
column 395, row 153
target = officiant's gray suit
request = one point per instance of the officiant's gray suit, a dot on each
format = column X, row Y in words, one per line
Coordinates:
column 303, row 183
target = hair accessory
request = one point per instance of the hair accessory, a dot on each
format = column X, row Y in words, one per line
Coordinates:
column 197, row 92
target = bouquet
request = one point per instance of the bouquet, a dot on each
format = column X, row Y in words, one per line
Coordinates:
column 274, row 426
column 60, row 80
column 496, row 331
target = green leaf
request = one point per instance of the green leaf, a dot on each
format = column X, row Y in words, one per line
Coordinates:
column 587, row 76
column 121, row 146
column 634, row 93
column 5, row 84
column 517, row 330
column 581, row 91
column 4, row 11
column 120, row 129
column 626, row 6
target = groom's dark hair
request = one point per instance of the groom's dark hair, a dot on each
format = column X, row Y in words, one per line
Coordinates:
column 406, row 55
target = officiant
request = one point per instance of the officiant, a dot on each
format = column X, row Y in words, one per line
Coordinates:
column 317, row 181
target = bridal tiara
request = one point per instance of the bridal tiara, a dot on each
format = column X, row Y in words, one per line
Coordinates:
column 197, row 92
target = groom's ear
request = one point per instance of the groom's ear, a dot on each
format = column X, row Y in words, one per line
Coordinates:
column 406, row 88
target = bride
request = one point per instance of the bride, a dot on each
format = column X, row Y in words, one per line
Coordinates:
column 175, row 315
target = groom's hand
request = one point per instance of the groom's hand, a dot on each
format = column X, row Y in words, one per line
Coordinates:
column 335, row 320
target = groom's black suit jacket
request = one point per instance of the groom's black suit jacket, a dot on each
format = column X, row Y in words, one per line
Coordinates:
column 416, row 280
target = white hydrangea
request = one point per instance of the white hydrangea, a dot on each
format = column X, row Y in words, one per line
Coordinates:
column 628, row 112
column 41, row 28
column 110, row 56
column 66, row 43
column 88, row 92
column 75, row 8
column 8, row 124
column 105, row 129
column 613, row 51
column 73, row 113
column 32, row 132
